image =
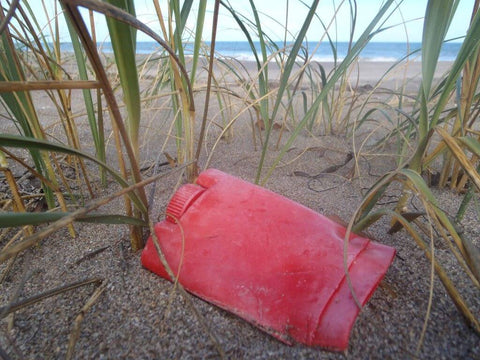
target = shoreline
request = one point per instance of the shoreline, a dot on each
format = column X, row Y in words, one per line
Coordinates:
column 391, row 73
column 385, row 74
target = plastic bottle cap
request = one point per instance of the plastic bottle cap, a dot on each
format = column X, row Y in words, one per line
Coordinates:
column 182, row 199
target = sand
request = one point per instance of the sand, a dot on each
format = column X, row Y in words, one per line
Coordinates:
column 141, row 316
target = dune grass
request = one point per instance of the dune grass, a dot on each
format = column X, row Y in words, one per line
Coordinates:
column 435, row 118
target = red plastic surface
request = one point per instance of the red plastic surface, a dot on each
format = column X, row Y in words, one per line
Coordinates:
column 271, row 261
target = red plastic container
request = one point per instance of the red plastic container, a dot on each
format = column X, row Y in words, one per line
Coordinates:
column 267, row 259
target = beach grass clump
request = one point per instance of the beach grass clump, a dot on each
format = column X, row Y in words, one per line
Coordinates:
column 441, row 127
column 325, row 103
column 32, row 60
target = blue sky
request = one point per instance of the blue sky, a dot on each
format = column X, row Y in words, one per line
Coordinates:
column 407, row 23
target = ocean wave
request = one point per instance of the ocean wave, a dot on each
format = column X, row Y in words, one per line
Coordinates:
column 241, row 51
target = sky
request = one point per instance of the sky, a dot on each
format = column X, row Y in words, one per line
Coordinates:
column 405, row 23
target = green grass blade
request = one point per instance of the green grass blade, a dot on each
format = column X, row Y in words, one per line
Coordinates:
column 37, row 144
column 469, row 49
column 374, row 195
column 373, row 217
column 418, row 183
column 465, row 202
column 20, row 104
column 244, row 30
column 469, row 254
column 289, row 65
column 332, row 43
column 338, row 73
column 262, row 79
column 97, row 135
column 292, row 57
column 123, row 38
column 263, row 83
column 202, row 8
column 180, row 17
column 438, row 16
column 472, row 144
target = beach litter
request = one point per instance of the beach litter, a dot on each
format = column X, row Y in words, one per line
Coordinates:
column 267, row 259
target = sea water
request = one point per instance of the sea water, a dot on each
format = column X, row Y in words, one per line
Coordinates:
column 325, row 51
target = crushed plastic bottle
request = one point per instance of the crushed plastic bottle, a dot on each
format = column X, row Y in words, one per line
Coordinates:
column 267, row 259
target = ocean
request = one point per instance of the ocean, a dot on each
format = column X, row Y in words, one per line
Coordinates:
column 374, row 51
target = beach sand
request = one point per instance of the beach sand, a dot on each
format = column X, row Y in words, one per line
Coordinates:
column 142, row 316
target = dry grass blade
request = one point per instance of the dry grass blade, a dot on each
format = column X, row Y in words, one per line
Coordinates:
column 10, row 308
column 364, row 217
column 71, row 8
column 472, row 256
column 95, row 120
column 8, row 15
column 20, row 105
column 35, row 144
column 18, row 203
column 74, row 335
column 40, row 235
column 7, row 269
column 123, row 16
column 337, row 74
column 430, row 293
column 409, row 216
column 450, row 287
column 460, row 156
column 11, row 86
column 5, row 310
column 209, row 79
column 439, row 270
column 184, row 293
column 14, row 219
